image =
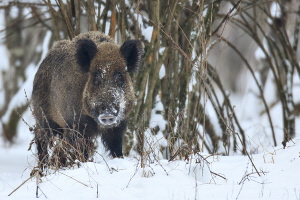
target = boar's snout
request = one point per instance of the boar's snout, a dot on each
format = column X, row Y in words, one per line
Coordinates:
column 107, row 119
column 111, row 108
column 109, row 115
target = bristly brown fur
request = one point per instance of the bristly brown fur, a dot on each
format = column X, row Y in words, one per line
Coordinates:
column 77, row 83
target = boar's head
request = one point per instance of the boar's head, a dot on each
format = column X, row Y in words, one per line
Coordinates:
column 108, row 94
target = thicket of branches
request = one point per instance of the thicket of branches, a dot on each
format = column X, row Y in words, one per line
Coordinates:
column 179, row 36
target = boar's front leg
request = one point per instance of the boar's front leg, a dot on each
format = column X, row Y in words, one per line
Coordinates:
column 81, row 137
column 112, row 139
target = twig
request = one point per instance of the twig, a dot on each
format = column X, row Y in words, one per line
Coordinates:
column 227, row 16
column 247, row 175
column 171, row 39
column 21, row 185
column 248, row 154
column 66, row 18
column 97, row 191
column 37, row 192
column 135, row 172
column 207, row 163
column 180, row 149
column 30, row 128
column 24, row 4
column 154, row 155
column 218, row 175
column 110, row 169
column 204, row 159
column 75, row 179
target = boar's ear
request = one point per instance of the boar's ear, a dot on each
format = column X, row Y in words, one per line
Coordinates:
column 85, row 52
column 132, row 51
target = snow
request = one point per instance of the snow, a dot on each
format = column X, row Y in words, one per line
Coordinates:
column 147, row 33
column 259, row 54
column 45, row 46
column 296, row 88
column 162, row 71
column 157, row 119
column 200, row 177
column 275, row 10
column 146, row 90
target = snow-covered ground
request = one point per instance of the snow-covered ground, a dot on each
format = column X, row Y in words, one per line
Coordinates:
column 202, row 177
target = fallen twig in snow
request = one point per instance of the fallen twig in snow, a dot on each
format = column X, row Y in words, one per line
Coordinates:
column 110, row 169
column 218, row 175
column 135, row 172
column 246, row 176
column 248, row 154
column 32, row 174
column 74, row 179
column 20, row 185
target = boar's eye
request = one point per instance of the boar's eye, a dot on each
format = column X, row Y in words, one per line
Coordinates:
column 98, row 78
column 119, row 78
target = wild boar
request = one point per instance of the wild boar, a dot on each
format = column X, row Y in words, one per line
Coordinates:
column 82, row 90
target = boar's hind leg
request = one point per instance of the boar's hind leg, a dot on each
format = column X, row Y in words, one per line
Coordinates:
column 42, row 145
column 43, row 137
column 112, row 139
